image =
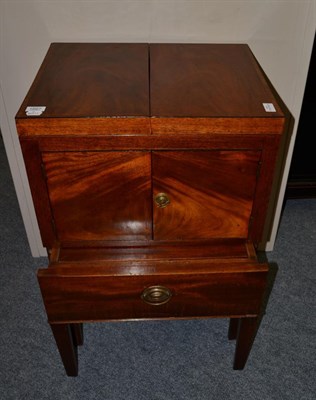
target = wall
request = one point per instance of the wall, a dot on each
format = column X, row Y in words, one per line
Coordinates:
column 280, row 34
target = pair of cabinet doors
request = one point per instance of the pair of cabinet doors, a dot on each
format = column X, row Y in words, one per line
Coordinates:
column 151, row 195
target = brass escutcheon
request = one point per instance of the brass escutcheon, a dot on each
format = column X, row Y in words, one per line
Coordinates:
column 156, row 295
column 162, row 200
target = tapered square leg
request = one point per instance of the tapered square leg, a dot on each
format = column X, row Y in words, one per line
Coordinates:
column 247, row 329
column 233, row 328
column 67, row 347
column 77, row 332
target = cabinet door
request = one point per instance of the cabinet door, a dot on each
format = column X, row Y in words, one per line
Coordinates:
column 100, row 195
column 203, row 194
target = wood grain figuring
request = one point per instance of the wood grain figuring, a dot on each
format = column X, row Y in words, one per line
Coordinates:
column 91, row 80
column 211, row 193
column 100, row 195
column 232, row 290
column 207, row 80
column 225, row 126
column 83, row 126
column 147, row 126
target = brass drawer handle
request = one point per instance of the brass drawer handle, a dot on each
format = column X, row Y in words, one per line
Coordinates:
column 156, row 295
column 162, row 200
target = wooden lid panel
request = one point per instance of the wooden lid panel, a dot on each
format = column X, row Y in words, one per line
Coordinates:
column 91, row 80
column 208, row 80
column 143, row 89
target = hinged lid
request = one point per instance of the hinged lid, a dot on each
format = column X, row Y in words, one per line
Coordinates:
column 210, row 88
column 128, row 88
column 106, row 83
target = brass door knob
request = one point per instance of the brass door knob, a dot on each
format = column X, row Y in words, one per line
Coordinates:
column 162, row 200
column 156, row 295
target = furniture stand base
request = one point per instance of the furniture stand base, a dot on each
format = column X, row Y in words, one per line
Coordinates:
column 69, row 336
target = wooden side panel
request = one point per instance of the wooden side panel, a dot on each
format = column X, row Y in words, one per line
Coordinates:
column 210, row 193
column 100, row 195
column 264, row 189
column 33, row 164
column 89, row 293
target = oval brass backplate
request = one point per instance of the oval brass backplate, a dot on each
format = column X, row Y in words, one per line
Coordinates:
column 156, row 295
column 162, row 200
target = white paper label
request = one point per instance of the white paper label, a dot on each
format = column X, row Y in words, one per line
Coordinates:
column 269, row 107
column 35, row 110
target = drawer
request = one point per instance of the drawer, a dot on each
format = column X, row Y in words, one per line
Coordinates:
column 118, row 290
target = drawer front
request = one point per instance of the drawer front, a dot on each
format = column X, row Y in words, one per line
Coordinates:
column 91, row 296
column 209, row 193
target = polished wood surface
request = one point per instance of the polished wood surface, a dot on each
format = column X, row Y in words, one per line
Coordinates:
column 207, row 80
column 219, row 125
column 84, row 251
column 199, row 289
column 112, row 81
column 30, row 127
column 170, row 141
column 100, row 195
column 211, row 193
column 91, row 80
column 125, row 126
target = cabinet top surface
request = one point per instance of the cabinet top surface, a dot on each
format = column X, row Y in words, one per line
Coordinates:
column 108, row 80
